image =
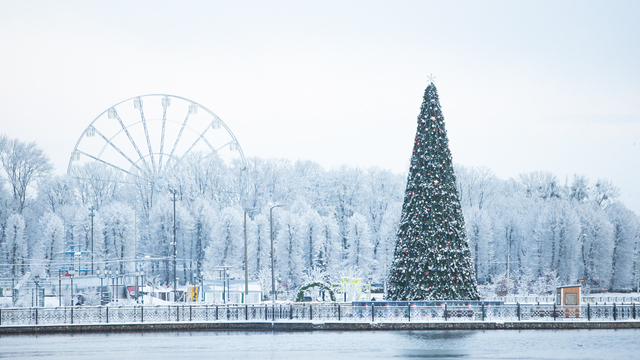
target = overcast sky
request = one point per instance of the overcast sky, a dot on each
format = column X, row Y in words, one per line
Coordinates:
column 524, row 86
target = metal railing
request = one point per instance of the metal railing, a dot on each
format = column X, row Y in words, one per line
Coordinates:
column 343, row 312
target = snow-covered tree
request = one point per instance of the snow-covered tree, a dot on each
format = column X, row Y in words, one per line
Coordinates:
column 51, row 244
column 14, row 248
column 25, row 165
column 288, row 248
column 359, row 246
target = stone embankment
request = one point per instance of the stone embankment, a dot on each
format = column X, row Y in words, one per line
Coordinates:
column 312, row 326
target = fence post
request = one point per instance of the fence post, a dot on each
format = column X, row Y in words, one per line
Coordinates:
column 228, row 314
column 107, row 308
column 588, row 312
column 246, row 312
column 409, row 312
column 634, row 311
column 373, row 312
column 554, row 312
column 36, row 316
column 0, row 316
column 142, row 313
column 518, row 311
column 273, row 313
column 445, row 312
column 291, row 312
column 614, row 312
column 216, row 312
column 614, row 306
column 189, row 313
column 483, row 312
column 338, row 312
column 177, row 313
column 310, row 312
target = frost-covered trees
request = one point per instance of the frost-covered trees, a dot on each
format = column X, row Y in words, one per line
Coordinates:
column 51, row 244
column 118, row 229
column 24, row 164
column 14, row 247
column 359, row 246
column 533, row 224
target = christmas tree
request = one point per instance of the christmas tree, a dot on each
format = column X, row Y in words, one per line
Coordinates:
column 432, row 260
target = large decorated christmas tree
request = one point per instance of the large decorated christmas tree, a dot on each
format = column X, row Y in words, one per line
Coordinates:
column 431, row 258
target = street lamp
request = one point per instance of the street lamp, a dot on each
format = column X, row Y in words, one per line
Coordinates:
column 273, row 273
column 246, row 263
column 91, row 215
column 101, row 276
column 71, row 273
column 36, row 280
column 115, row 288
column 142, row 280
column 175, row 248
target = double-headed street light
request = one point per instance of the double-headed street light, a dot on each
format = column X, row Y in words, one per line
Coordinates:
column 175, row 248
column 91, row 215
column 273, row 273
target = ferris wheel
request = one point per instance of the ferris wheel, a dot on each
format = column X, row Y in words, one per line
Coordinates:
column 147, row 136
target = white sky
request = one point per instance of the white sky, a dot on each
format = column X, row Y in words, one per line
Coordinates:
column 525, row 86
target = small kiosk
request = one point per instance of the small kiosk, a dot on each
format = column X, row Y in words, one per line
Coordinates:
column 568, row 296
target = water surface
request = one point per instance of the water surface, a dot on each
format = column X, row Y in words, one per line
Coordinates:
column 462, row 344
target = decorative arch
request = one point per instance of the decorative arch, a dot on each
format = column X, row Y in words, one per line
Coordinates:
column 323, row 286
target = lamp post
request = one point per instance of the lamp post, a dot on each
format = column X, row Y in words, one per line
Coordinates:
column 273, row 273
column 109, row 275
column 175, row 248
column 59, row 287
column 91, row 215
column 115, row 289
column 36, row 280
column 101, row 276
column 71, row 273
column 246, row 263
column 142, row 280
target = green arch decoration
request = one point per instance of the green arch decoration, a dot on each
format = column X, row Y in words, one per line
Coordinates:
column 315, row 284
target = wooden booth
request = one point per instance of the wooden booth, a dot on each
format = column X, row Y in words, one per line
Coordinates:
column 568, row 297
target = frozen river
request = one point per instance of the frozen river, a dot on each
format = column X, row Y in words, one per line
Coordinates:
column 494, row 344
